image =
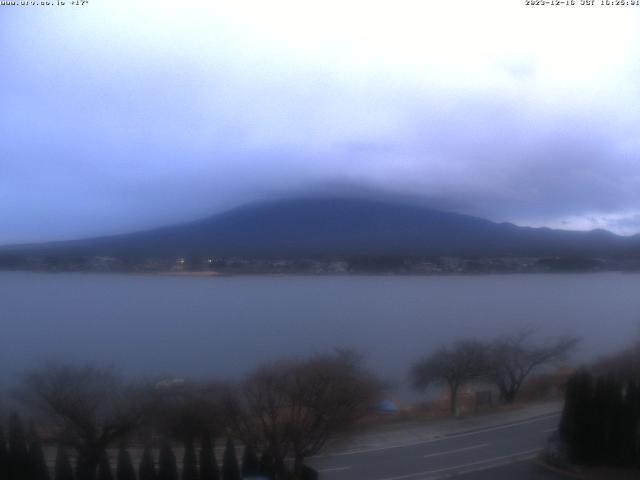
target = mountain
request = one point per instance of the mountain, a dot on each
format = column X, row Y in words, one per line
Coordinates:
column 338, row 227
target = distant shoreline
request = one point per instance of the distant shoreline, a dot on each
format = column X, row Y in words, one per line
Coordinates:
column 183, row 274
column 214, row 274
column 358, row 265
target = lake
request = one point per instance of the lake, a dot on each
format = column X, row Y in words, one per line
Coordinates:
column 225, row 326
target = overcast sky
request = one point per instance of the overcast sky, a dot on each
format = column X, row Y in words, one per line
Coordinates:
column 121, row 115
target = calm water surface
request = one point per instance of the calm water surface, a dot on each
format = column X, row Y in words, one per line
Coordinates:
column 190, row 326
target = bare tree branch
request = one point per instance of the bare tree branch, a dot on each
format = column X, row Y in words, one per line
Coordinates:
column 514, row 357
column 88, row 408
column 294, row 408
column 453, row 366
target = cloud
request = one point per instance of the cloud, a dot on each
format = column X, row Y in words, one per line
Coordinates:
column 120, row 116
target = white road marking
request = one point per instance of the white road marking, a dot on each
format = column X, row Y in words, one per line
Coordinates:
column 334, row 469
column 491, row 466
column 440, row 439
column 456, row 450
column 482, row 464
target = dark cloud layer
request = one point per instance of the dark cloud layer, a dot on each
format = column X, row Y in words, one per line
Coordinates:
column 118, row 119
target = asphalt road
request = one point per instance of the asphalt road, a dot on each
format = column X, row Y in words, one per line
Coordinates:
column 505, row 451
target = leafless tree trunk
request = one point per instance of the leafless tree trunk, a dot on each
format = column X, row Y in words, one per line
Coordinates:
column 88, row 408
column 453, row 366
column 291, row 409
column 514, row 357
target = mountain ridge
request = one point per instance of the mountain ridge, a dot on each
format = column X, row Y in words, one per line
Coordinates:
column 340, row 227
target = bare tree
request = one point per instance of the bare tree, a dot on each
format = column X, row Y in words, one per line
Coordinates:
column 453, row 366
column 189, row 411
column 89, row 408
column 291, row 409
column 257, row 411
column 514, row 357
column 328, row 395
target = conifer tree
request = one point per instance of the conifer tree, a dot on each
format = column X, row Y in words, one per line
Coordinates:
column 606, row 422
column 308, row 473
column 600, row 433
column 267, row 466
column 189, row 462
column 18, row 451
column 230, row 468
column 250, row 462
column 83, row 471
column 634, row 407
column 37, row 464
column 167, row 468
column 208, row 464
column 576, row 425
column 631, row 436
column 63, row 470
column 614, row 415
column 147, row 470
column 4, row 456
column 104, row 468
column 124, row 469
